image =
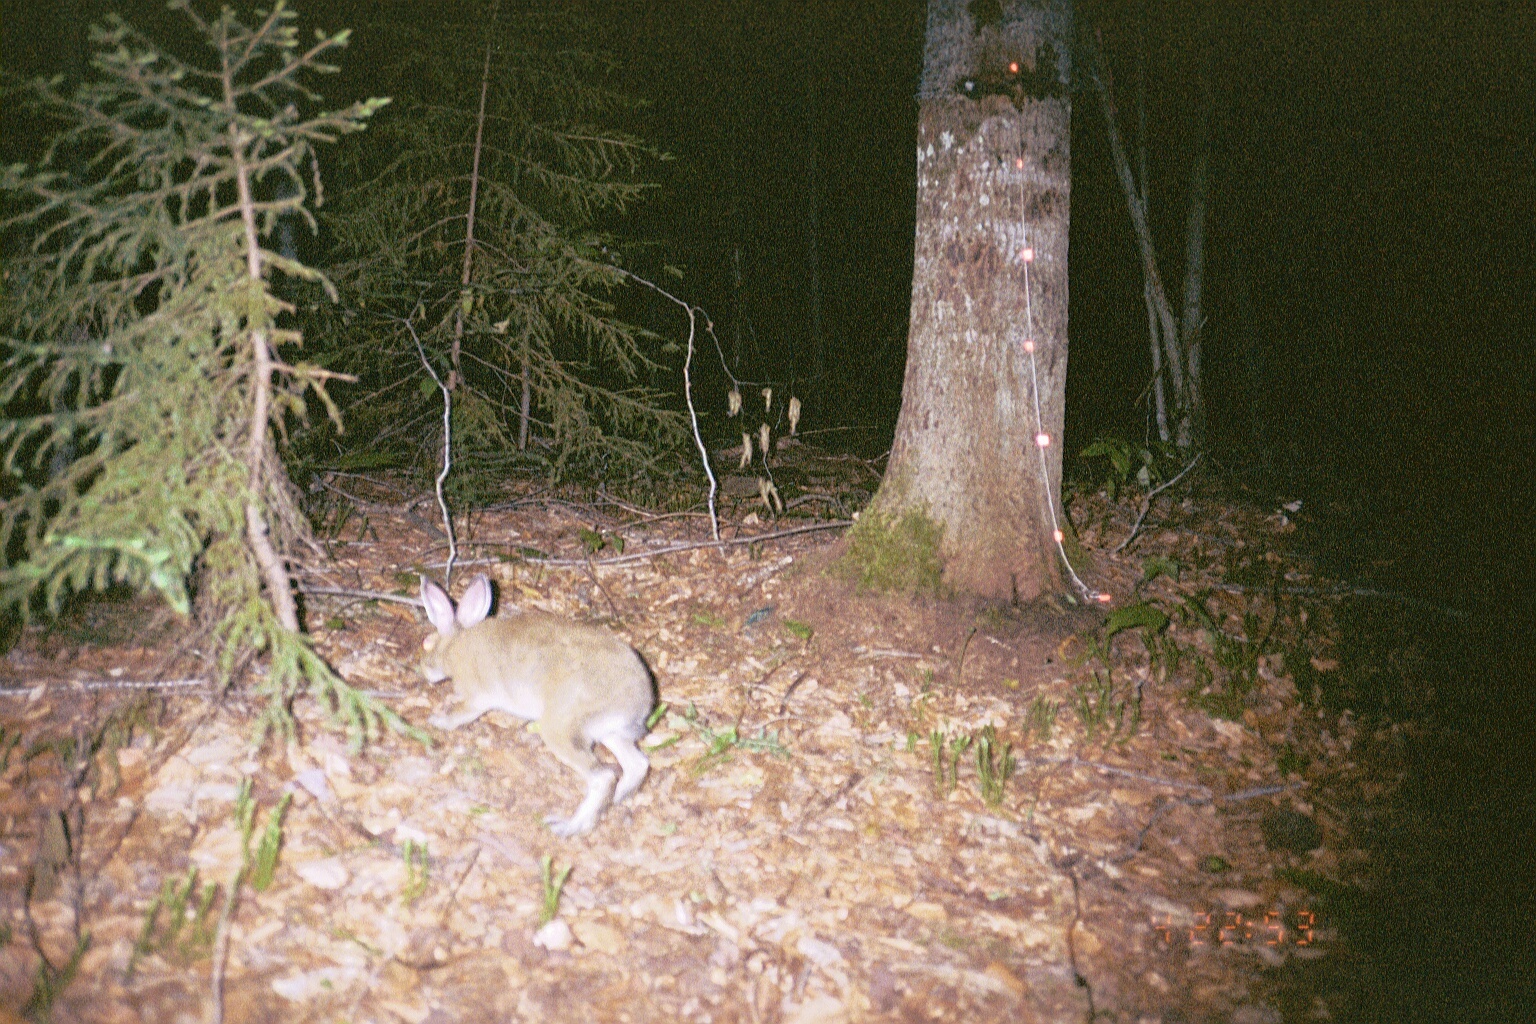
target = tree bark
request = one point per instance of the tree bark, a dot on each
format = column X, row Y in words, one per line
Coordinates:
column 993, row 170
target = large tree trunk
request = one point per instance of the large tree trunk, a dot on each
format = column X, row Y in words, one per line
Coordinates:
column 993, row 170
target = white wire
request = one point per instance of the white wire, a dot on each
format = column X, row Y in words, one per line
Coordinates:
column 1089, row 595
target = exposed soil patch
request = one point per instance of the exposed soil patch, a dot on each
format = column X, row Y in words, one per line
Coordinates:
column 798, row 853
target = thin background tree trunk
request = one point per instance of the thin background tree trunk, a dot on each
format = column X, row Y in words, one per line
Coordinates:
column 469, row 226
column 525, row 400
column 1194, row 266
column 1173, row 355
column 1159, row 401
column 814, row 226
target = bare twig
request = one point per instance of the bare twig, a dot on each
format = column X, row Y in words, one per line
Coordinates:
column 693, row 416
column 221, row 946
column 960, row 664
column 1146, row 504
column 591, row 575
column 453, row 550
column 789, row 691
column 884, row 652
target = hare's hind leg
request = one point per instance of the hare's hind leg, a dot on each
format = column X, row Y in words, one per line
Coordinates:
column 631, row 759
column 575, row 751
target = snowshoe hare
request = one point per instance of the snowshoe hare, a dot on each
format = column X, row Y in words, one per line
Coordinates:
column 581, row 684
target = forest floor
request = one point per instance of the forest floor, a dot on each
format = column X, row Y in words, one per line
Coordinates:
column 801, row 851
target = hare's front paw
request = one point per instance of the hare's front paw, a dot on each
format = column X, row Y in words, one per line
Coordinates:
column 575, row 825
column 454, row 719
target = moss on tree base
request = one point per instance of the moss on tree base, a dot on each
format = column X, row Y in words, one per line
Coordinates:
column 894, row 554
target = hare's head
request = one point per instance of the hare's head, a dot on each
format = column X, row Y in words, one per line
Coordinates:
column 473, row 608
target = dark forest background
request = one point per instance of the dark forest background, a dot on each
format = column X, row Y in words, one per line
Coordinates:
column 1369, row 331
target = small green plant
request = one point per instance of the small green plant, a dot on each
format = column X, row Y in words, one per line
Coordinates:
column 1042, row 718
column 1127, row 462
column 994, row 766
column 8, row 741
column 708, row 618
column 262, row 863
column 945, row 753
column 185, row 932
column 1225, row 695
column 656, row 715
column 1100, row 709
column 1215, row 865
column 796, row 628
column 1141, row 615
column 718, row 744
column 554, row 882
column 418, row 870
column 594, row 542
column 1158, row 565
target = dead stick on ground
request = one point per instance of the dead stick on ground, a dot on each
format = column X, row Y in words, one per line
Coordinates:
column 599, row 585
column 1146, row 505
column 784, row 703
column 960, row 666
column 694, row 545
column 221, row 946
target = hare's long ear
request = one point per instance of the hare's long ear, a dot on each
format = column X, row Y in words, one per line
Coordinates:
column 439, row 608
column 475, row 605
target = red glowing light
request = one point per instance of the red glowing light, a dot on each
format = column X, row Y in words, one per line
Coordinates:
column 1013, row 67
column 1027, row 255
column 1042, row 440
column 1058, row 535
column 1102, row 598
column 1029, row 345
column 1018, row 162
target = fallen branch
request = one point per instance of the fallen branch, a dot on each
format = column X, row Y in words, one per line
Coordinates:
column 1340, row 593
column 669, row 550
column 1146, row 505
column 105, row 684
column 368, row 595
column 1196, row 801
column 67, row 686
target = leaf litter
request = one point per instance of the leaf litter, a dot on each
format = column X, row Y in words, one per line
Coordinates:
column 818, row 840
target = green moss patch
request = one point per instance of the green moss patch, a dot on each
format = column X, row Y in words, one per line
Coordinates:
column 894, row 554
